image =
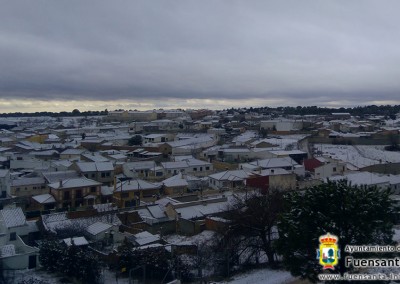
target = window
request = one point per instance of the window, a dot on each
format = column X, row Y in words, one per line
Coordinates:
column 207, row 168
column 334, row 169
column 3, row 194
column 13, row 236
column 201, row 169
column 195, row 169
column 93, row 189
column 108, row 174
column 125, row 195
column 78, row 193
column 103, row 175
column 93, row 175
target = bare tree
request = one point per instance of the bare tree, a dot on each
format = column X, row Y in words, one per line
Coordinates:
column 253, row 228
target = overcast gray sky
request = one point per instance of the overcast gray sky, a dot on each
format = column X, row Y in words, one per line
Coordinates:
column 96, row 54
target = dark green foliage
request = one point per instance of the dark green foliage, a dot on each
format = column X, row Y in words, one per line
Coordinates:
column 394, row 143
column 263, row 132
column 156, row 260
column 357, row 215
column 386, row 110
column 55, row 114
column 51, row 251
column 72, row 261
column 183, row 270
column 135, row 141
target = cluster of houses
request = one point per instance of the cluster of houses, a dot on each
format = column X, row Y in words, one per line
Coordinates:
column 81, row 173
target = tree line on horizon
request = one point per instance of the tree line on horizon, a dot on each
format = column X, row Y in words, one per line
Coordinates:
column 385, row 110
column 75, row 112
column 361, row 111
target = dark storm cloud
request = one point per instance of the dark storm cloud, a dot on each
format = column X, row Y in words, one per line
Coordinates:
column 299, row 51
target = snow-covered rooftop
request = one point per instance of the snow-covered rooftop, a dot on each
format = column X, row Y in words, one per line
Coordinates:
column 95, row 166
column 56, row 176
column 13, row 217
column 98, row 228
column 27, row 181
column 44, row 198
column 78, row 241
column 136, row 184
column 230, row 175
column 73, row 183
column 175, row 181
column 145, row 238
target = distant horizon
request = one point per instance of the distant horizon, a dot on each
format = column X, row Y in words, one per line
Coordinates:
column 121, row 107
column 32, row 106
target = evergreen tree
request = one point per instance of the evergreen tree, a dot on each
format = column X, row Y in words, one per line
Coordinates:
column 357, row 215
column 72, row 261
column 135, row 141
column 51, row 251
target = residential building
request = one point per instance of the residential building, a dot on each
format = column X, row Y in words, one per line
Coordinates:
column 189, row 166
column 71, row 154
column 175, row 185
column 14, row 252
column 102, row 172
column 228, row 179
column 75, row 192
column 129, row 193
column 28, row 186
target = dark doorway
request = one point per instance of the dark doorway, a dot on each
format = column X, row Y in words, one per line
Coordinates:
column 32, row 261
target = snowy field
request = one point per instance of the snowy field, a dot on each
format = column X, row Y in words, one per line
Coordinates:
column 253, row 277
column 360, row 155
column 378, row 153
column 262, row 276
column 33, row 276
column 282, row 142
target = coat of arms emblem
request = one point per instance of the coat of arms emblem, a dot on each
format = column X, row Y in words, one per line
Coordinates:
column 328, row 252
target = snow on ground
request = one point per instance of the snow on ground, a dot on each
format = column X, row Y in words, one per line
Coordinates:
column 193, row 240
column 359, row 155
column 346, row 153
column 262, row 276
column 42, row 277
column 284, row 141
column 36, row 276
column 396, row 236
column 378, row 153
